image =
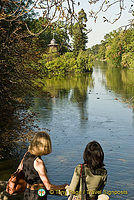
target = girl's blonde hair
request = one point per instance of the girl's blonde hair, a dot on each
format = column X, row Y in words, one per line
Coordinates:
column 41, row 144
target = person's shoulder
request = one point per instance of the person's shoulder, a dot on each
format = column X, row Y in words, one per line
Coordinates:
column 101, row 171
column 78, row 166
column 38, row 163
column 78, row 169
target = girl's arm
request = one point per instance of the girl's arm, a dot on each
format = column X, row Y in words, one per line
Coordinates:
column 40, row 168
column 71, row 189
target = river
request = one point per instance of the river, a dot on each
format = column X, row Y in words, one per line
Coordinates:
column 84, row 108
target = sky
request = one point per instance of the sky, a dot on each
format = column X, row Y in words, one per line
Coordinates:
column 100, row 28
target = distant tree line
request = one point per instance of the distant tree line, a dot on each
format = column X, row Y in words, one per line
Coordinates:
column 116, row 48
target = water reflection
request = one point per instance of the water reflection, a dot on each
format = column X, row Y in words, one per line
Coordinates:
column 72, row 88
column 61, row 86
column 121, row 81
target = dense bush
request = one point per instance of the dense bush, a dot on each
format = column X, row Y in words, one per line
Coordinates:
column 67, row 63
column 114, row 54
column 84, row 62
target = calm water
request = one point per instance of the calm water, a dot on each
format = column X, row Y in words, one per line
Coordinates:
column 85, row 108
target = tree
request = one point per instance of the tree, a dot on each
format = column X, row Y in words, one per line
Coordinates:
column 102, row 50
column 79, row 32
column 16, row 79
column 57, row 30
column 120, row 48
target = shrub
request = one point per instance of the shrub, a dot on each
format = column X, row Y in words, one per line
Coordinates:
column 84, row 62
column 66, row 63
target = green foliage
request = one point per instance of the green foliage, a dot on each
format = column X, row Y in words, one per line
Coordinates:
column 61, row 36
column 117, row 48
column 16, row 78
column 79, row 32
column 128, row 60
column 56, row 29
column 55, row 64
column 84, row 62
column 120, row 49
column 94, row 49
column 102, row 51
column 114, row 53
column 21, row 64
column 58, row 64
column 70, row 62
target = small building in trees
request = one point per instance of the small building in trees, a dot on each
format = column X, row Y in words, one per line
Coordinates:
column 53, row 46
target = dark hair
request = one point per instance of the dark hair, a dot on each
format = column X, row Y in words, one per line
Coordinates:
column 93, row 155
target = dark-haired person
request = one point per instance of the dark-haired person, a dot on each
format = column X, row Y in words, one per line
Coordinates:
column 34, row 168
column 95, row 173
